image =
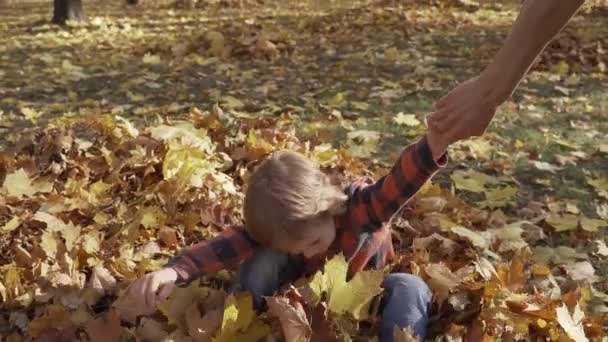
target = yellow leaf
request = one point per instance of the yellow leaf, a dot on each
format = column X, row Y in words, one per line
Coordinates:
column 471, row 180
column 3, row 293
column 562, row 222
column 240, row 323
column 98, row 192
column 135, row 97
column 363, row 143
column 91, row 242
column 183, row 133
column 232, row 102
column 152, row 217
column 600, row 185
column 592, row 225
column 216, row 42
column 499, row 197
column 353, row 296
column 12, row 281
column 392, row 53
column 18, row 184
column 151, row 59
column 406, row 120
column 338, row 100
column 363, row 106
column 480, row 148
column 70, row 234
column 476, row 239
column 541, row 270
column 48, row 243
column 30, row 113
column 11, row 225
column 560, row 68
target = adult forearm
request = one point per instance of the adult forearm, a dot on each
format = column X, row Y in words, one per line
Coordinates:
column 538, row 22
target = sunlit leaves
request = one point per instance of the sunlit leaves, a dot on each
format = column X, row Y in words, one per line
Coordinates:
column 240, row 321
column 351, row 297
column 406, row 120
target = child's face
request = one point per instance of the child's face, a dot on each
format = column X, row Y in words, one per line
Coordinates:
column 321, row 232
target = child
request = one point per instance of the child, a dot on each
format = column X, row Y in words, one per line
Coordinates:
column 294, row 218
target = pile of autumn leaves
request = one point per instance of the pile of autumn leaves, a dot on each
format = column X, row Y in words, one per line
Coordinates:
column 88, row 205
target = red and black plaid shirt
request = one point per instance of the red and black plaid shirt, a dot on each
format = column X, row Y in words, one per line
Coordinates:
column 363, row 234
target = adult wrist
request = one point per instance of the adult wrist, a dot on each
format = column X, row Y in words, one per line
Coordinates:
column 496, row 87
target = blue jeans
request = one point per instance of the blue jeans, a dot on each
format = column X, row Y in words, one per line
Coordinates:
column 406, row 301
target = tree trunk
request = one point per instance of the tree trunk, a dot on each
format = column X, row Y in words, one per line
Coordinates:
column 67, row 10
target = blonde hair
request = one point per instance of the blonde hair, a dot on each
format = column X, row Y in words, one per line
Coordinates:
column 283, row 192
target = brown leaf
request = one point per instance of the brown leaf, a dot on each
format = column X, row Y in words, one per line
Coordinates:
column 441, row 279
column 106, row 328
column 404, row 335
column 293, row 319
column 55, row 318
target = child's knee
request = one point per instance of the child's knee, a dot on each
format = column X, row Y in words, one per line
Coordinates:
column 407, row 286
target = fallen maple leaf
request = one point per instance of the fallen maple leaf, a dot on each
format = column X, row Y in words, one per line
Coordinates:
column 353, row 296
column 240, row 322
column 293, row 319
column 19, row 184
column 441, row 279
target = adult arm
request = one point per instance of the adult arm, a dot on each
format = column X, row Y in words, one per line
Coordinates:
column 468, row 109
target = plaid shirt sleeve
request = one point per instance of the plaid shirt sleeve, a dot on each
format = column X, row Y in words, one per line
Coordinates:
column 373, row 205
column 227, row 250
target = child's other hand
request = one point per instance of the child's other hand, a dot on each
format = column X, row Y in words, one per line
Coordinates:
column 145, row 289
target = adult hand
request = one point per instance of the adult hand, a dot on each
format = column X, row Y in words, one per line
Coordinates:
column 464, row 112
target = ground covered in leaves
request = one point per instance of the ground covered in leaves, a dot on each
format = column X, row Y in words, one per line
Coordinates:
column 132, row 135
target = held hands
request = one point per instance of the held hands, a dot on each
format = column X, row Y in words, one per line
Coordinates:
column 464, row 112
column 144, row 290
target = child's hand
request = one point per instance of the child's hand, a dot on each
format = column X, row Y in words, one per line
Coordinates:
column 145, row 289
